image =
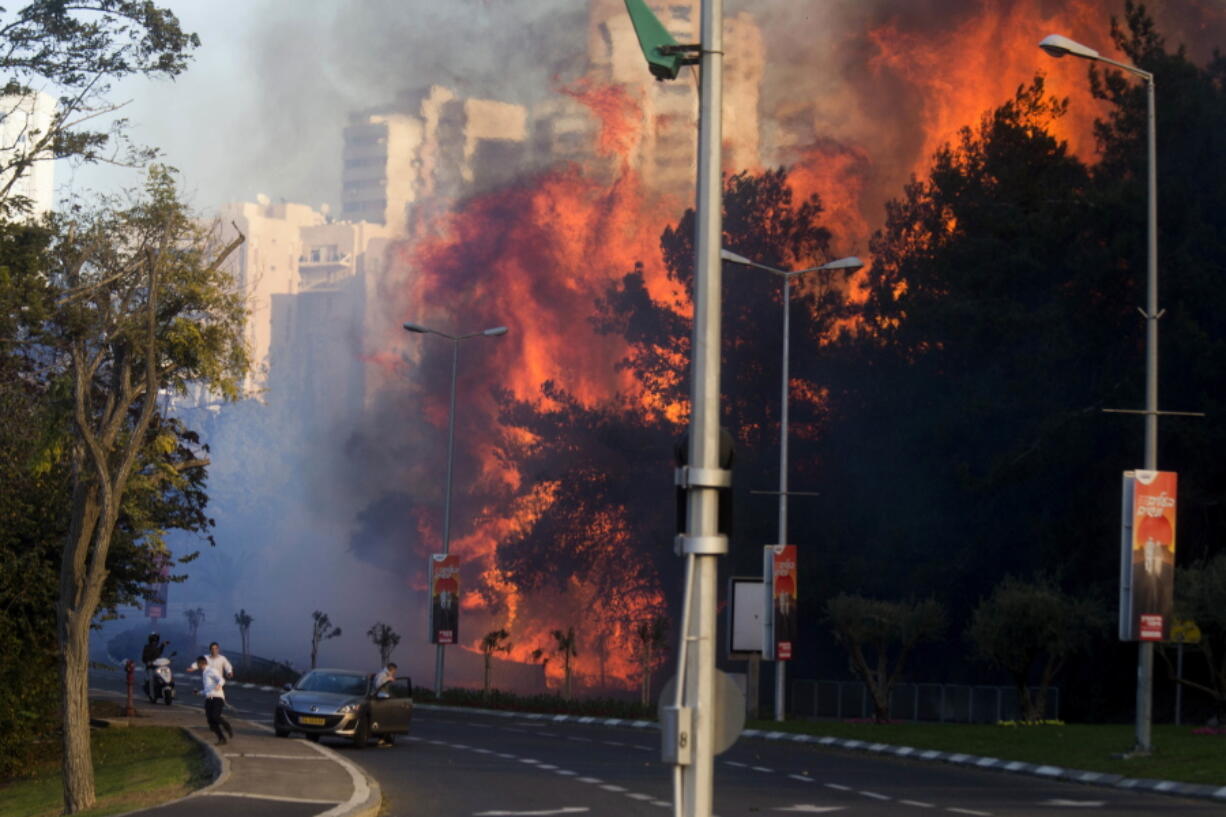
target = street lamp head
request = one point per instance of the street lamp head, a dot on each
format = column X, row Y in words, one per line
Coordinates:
column 495, row 331
column 851, row 263
column 416, row 327
column 1059, row 46
column 729, row 255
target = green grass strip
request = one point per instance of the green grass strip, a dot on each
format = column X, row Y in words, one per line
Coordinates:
column 1179, row 754
column 134, row 767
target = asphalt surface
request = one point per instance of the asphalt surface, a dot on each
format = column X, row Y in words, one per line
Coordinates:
column 467, row 762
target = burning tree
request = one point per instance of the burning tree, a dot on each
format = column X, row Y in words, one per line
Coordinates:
column 492, row 642
column 385, row 638
column 321, row 630
column 243, row 620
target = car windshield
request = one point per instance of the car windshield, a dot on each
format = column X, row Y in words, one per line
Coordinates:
column 342, row 683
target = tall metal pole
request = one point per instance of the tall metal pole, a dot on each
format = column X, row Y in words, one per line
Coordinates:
column 781, row 666
column 702, row 541
column 439, row 652
column 1145, row 661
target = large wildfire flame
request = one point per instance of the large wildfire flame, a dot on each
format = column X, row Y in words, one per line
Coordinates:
column 537, row 254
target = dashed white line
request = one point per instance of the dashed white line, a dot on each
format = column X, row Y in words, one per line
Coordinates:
column 589, row 779
column 612, row 787
column 917, row 803
column 737, row 764
column 766, row 769
column 634, row 795
column 874, row 795
column 838, row 787
column 972, row 812
column 547, row 767
column 801, row 778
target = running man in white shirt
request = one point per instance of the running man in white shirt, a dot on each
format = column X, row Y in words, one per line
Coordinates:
column 217, row 661
column 213, row 689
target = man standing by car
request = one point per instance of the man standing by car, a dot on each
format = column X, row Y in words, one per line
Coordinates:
column 382, row 678
column 213, row 688
column 216, row 661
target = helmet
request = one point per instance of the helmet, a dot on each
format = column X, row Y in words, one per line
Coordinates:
column 153, row 637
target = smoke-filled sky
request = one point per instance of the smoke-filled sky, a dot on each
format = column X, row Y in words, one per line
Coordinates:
column 262, row 107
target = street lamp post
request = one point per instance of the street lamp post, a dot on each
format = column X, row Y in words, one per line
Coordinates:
column 455, row 356
column 851, row 263
column 1059, row 46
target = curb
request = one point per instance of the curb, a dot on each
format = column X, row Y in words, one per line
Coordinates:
column 1103, row 779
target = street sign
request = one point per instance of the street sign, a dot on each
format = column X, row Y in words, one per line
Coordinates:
column 729, row 708
column 779, row 601
column 653, row 37
column 1185, row 632
column 746, row 609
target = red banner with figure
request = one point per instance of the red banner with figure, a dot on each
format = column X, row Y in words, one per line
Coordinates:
column 1149, row 568
column 779, row 573
column 444, row 598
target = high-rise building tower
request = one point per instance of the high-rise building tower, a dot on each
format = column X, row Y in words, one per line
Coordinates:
column 25, row 119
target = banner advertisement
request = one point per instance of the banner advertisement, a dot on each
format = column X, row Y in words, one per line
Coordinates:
column 159, row 593
column 779, row 577
column 444, row 598
column 1147, row 556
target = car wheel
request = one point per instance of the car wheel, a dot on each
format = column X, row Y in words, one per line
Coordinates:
column 361, row 733
column 389, row 739
column 168, row 696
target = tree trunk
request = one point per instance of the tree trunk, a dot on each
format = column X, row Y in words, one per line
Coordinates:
column 486, row 689
column 78, row 763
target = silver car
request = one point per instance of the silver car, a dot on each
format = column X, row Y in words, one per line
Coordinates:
column 344, row 703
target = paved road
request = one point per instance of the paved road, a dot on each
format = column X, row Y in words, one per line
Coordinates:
column 461, row 764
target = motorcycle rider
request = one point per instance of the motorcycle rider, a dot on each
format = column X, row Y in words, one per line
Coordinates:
column 152, row 651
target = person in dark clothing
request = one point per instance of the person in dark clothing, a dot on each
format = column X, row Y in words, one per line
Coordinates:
column 152, row 650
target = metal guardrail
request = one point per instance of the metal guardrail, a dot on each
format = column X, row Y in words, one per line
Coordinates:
column 944, row 703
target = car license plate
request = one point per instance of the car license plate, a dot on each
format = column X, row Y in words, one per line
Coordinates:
column 309, row 721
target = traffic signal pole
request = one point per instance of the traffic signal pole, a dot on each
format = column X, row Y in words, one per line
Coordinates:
column 702, row 544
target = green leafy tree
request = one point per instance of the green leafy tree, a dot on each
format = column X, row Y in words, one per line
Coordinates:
column 879, row 636
column 244, row 620
column 385, row 638
column 140, row 307
column 1029, row 629
column 1200, row 596
column 492, row 642
column 321, row 630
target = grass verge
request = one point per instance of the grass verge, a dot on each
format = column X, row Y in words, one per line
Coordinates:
column 134, row 767
column 1178, row 755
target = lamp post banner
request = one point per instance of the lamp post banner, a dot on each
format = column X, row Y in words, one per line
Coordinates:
column 444, row 598
column 155, row 605
column 1151, row 557
column 779, row 571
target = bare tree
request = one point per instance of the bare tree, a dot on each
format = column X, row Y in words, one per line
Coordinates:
column 566, row 646
column 244, row 632
column 385, row 638
column 653, row 637
column 492, row 642
column 321, row 630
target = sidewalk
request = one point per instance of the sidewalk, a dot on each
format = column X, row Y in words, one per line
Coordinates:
column 259, row 774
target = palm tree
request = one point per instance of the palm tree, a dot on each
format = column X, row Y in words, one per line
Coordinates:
column 566, row 646
column 653, row 635
column 244, row 632
column 385, row 638
column 493, row 641
column 320, row 631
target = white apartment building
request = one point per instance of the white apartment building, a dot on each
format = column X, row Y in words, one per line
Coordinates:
column 24, row 120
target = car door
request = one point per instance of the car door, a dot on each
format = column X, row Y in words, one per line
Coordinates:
column 391, row 708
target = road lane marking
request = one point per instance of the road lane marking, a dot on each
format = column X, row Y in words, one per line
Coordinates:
column 613, row 787
column 917, row 803
column 801, row 778
column 876, row 796
column 635, row 795
column 763, row 769
column 838, row 787
column 543, row 812
column 1074, row 803
column 589, row 779
column 809, row 808
column 971, row 812
column 547, row 767
column 737, row 764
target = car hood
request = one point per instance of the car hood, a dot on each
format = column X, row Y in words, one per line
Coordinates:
column 302, row 701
